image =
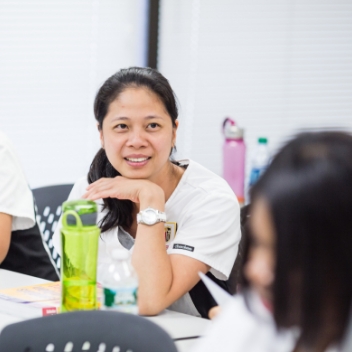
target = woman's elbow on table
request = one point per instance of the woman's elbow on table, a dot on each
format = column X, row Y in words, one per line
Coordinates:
column 153, row 303
column 150, row 309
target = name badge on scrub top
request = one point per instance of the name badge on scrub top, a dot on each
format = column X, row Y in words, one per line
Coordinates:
column 170, row 232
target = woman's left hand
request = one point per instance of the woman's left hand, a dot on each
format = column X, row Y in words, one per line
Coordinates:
column 121, row 188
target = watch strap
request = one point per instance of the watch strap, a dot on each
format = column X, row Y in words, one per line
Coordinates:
column 161, row 216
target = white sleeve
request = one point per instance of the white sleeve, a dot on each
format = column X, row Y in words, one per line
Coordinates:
column 16, row 198
column 77, row 191
column 210, row 232
column 222, row 334
column 237, row 329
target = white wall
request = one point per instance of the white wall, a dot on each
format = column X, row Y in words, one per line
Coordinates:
column 54, row 56
column 275, row 66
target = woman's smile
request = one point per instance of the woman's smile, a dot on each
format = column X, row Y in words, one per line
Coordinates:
column 137, row 160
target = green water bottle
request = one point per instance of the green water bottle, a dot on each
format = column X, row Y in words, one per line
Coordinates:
column 79, row 241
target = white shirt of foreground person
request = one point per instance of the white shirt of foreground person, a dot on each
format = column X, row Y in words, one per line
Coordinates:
column 203, row 222
column 238, row 328
column 245, row 324
column 16, row 199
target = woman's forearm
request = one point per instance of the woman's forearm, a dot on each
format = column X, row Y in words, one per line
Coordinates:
column 153, row 267
column 163, row 278
column 150, row 258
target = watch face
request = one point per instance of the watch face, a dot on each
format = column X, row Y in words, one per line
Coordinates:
column 149, row 217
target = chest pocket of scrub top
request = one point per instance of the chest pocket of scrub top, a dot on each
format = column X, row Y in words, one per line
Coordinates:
column 170, row 232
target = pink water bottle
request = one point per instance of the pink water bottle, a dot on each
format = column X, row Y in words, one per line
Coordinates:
column 234, row 153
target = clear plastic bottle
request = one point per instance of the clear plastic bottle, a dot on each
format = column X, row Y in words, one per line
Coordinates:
column 260, row 161
column 120, row 284
column 234, row 153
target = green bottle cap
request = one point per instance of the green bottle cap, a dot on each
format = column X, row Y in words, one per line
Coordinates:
column 109, row 297
column 262, row 140
column 86, row 210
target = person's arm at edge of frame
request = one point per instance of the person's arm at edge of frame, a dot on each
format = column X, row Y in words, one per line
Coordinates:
column 5, row 234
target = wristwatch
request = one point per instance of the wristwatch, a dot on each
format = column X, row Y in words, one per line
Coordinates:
column 150, row 216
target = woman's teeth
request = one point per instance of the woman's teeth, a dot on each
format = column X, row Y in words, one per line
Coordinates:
column 137, row 160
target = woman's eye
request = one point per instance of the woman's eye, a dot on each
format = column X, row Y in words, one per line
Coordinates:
column 153, row 125
column 121, row 126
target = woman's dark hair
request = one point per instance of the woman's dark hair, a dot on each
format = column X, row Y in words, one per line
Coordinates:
column 308, row 188
column 120, row 211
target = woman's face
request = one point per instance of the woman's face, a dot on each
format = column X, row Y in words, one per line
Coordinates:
column 259, row 270
column 137, row 135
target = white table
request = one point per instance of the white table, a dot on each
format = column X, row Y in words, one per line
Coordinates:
column 10, row 279
column 183, row 328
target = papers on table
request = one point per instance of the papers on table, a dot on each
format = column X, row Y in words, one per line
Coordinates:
column 31, row 301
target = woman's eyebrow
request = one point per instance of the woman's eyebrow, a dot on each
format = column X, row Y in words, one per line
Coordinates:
column 125, row 118
column 119, row 118
column 150, row 117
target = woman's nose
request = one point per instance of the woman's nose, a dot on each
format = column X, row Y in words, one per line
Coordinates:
column 137, row 139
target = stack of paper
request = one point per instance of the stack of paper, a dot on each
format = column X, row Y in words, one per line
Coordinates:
column 31, row 301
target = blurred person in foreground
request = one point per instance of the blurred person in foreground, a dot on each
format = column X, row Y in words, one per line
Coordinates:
column 21, row 246
column 298, row 263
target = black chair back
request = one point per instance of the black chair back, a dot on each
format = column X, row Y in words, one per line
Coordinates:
column 48, row 202
column 98, row 331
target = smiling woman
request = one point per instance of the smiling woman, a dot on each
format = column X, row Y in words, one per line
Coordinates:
column 178, row 217
column 138, row 119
